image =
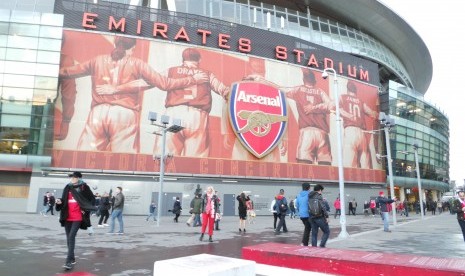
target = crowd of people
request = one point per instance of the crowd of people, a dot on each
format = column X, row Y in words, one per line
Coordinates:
column 78, row 203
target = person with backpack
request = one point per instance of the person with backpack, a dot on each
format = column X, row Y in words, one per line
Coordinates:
column 301, row 203
column 319, row 216
column 281, row 208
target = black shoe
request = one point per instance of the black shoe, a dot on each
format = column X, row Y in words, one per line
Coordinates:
column 73, row 262
column 210, row 239
column 240, row 230
column 201, row 237
column 68, row 266
column 244, row 230
column 217, row 229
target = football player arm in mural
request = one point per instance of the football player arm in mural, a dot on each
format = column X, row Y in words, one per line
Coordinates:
column 325, row 107
column 68, row 97
column 150, row 78
column 218, row 87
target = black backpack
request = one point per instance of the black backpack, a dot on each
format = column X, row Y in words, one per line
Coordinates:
column 314, row 207
column 282, row 207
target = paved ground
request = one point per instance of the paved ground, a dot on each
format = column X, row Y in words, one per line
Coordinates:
column 31, row 244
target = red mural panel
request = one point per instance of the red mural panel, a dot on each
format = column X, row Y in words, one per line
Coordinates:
column 108, row 85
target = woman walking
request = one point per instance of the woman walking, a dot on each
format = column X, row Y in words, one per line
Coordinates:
column 209, row 209
column 242, row 208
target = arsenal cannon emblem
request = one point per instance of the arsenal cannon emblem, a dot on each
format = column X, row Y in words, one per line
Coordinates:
column 258, row 114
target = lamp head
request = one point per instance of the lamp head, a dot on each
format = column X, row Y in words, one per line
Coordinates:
column 382, row 117
column 153, row 116
column 165, row 119
column 324, row 75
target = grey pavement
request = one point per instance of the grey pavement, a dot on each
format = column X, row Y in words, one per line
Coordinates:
column 31, row 244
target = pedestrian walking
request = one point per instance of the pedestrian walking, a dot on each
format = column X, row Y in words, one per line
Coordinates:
column 152, row 208
column 301, row 203
column 459, row 208
column 242, row 210
column 75, row 205
column 274, row 213
column 104, row 209
column 209, row 209
column 117, row 212
column 319, row 219
column 282, row 208
column 384, row 209
column 195, row 207
column 177, row 209
column 337, row 206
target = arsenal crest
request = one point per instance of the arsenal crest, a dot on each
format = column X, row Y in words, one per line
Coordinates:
column 258, row 114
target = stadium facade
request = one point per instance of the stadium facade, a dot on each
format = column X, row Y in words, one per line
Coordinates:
column 237, row 91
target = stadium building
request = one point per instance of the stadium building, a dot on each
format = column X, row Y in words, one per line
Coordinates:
column 167, row 97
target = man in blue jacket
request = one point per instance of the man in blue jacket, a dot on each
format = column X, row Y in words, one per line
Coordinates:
column 301, row 203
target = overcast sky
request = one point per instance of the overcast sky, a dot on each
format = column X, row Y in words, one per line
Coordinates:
column 441, row 26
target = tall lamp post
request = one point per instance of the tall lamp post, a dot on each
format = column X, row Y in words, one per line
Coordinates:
column 342, row 219
column 420, row 193
column 388, row 123
column 164, row 127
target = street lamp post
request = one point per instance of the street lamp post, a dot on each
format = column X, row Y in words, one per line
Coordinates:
column 388, row 123
column 342, row 218
column 165, row 127
column 420, row 193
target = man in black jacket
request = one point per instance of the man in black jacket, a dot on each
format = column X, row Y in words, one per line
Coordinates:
column 75, row 205
column 319, row 220
column 459, row 208
column 383, row 207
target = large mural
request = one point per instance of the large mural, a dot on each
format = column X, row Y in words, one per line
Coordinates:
column 227, row 103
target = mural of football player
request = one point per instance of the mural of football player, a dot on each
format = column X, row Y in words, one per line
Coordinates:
column 313, row 108
column 113, row 121
column 356, row 145
column 192, row 104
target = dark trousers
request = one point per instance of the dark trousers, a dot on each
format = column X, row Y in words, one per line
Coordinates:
column 104, row 215
column 338, row 212
column 307, row 229
column 71, row 229
column 321, row 223
column 462, row 226
column 275, row 220
column 50, row 209
column 176, row 217
column 281, row 223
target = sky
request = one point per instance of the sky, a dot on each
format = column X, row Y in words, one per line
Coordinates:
column 440, row 25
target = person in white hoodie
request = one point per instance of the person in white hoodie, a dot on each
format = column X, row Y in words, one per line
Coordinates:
column 301, row 203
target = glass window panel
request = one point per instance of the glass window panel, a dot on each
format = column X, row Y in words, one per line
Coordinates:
column 24, row 29
column 315, row 26
column 48, row 57
column 324, row 27
column 15, row 41
column 5, row 14
column 49, row 44
column 25, row 17
column 52, row 32
column 17, row 67
column 16, row 120
column 51, row 19
column 2, row 57
column 46, row 83
column 18, row 94
column 3, row 40
column 47, row 69
column 44, row 96
column 21, row 54
column 228, row 11
column 4, row 27
column 18, row 80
